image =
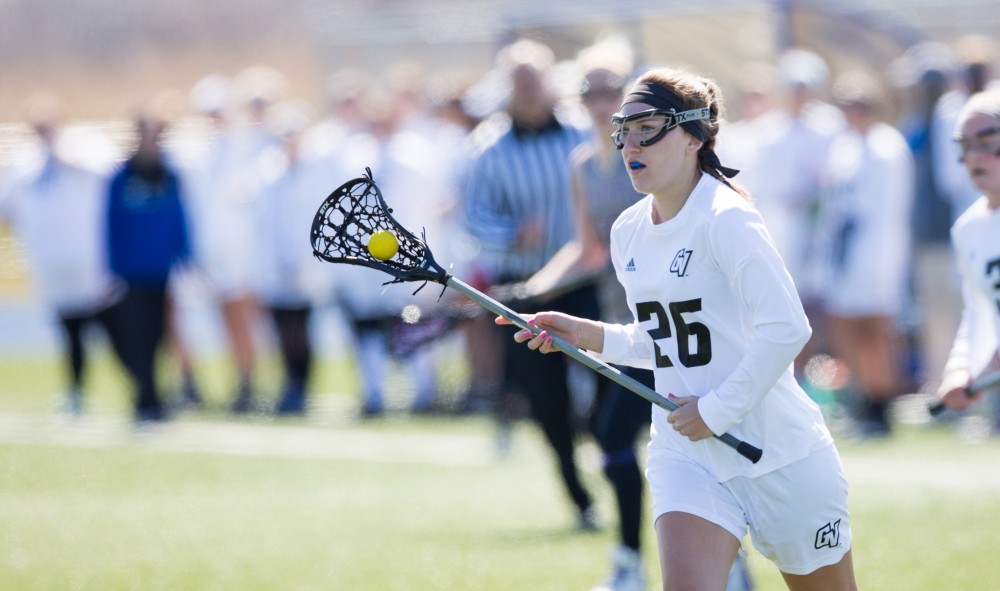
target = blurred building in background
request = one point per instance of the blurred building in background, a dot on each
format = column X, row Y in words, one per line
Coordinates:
column 103, row 56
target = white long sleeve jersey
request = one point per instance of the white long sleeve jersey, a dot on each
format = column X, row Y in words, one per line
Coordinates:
column 717, row 317
column 976, row 238
column 58, row 212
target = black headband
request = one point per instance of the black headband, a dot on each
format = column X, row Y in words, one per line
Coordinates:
column 659, row 97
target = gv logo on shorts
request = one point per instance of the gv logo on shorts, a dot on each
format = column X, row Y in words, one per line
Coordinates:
column 828, row 536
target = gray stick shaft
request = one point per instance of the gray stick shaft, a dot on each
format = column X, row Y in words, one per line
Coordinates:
column 745, row 449
column 574, row 352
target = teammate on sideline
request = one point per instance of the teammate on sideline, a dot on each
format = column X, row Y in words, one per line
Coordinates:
column 864, row 227
column 719, row 321
column 976, row 238
column 55, row 194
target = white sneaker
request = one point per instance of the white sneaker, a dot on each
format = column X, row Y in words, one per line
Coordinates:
column 588, row 520
column 627, row 573
column 72, row 404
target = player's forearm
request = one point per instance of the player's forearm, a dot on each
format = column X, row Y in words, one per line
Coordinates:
column 626, row 344
column 766, row 360
column 590, row 335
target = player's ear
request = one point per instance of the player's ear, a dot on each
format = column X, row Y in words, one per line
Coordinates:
column 694, row 144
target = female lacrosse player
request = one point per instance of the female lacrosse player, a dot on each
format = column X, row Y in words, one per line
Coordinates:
column 602, row 190
column 717, row 318
column 976, row 238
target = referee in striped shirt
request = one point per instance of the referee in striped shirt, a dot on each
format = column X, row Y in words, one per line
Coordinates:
column 518, row 203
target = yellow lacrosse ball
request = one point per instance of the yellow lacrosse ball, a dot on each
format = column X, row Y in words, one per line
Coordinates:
column 383, row 245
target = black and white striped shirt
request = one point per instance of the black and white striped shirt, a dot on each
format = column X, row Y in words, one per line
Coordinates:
column 518, row 176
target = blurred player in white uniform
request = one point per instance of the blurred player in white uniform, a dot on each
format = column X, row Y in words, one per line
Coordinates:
column 868, row 185
column 402, row 163
column 289, row 281
column 718, row 319
column 782, row 152
column 223, row 191
column 327, row 138
column 976, row 238
column 56, row 206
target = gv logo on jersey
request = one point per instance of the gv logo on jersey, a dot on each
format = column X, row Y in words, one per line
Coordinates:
column 828, row 536
column 679, row 265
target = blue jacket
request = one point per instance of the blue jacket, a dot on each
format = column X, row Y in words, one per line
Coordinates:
column 147, row 228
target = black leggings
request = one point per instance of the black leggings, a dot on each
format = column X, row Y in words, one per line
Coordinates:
column 292, row 325
column 137, row 326
column 619, row 415
column 542, row 379
column 73, row 326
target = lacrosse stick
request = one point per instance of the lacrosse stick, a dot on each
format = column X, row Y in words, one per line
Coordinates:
column 347, row 219
column 982, row 383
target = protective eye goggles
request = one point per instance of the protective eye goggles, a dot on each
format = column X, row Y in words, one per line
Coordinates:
column 984, row 141
column 649, row 126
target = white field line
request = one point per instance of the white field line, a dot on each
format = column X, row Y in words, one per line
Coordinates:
column 944, row 475
column 357, row 443
column 336, row 443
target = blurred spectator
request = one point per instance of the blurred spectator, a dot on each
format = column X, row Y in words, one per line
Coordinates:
column 402, row 163
column 446, row 91
column 405, row 79
column 518, row 202
column 289, row 280
column 224, row 189
column 452, row 134
column 147, row 237
column 868, row 184
column 742, row 140
column 327, row 137
column 602, row 189
column 805, row 126
column 793, row 135
column 923, row 75
column 56, row 207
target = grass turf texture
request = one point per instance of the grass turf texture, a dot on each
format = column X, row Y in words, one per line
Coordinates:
column 402, row 503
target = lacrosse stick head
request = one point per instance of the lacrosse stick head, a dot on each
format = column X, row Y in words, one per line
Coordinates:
column 348, row 218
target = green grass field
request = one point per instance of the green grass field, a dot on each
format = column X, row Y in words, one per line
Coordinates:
column 211, row 502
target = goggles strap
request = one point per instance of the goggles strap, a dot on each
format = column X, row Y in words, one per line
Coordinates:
column 663, row 99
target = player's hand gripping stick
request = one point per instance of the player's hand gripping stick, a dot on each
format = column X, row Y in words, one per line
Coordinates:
column 978, row 385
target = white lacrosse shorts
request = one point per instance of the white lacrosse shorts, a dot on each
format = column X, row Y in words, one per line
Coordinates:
column 797, row 515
